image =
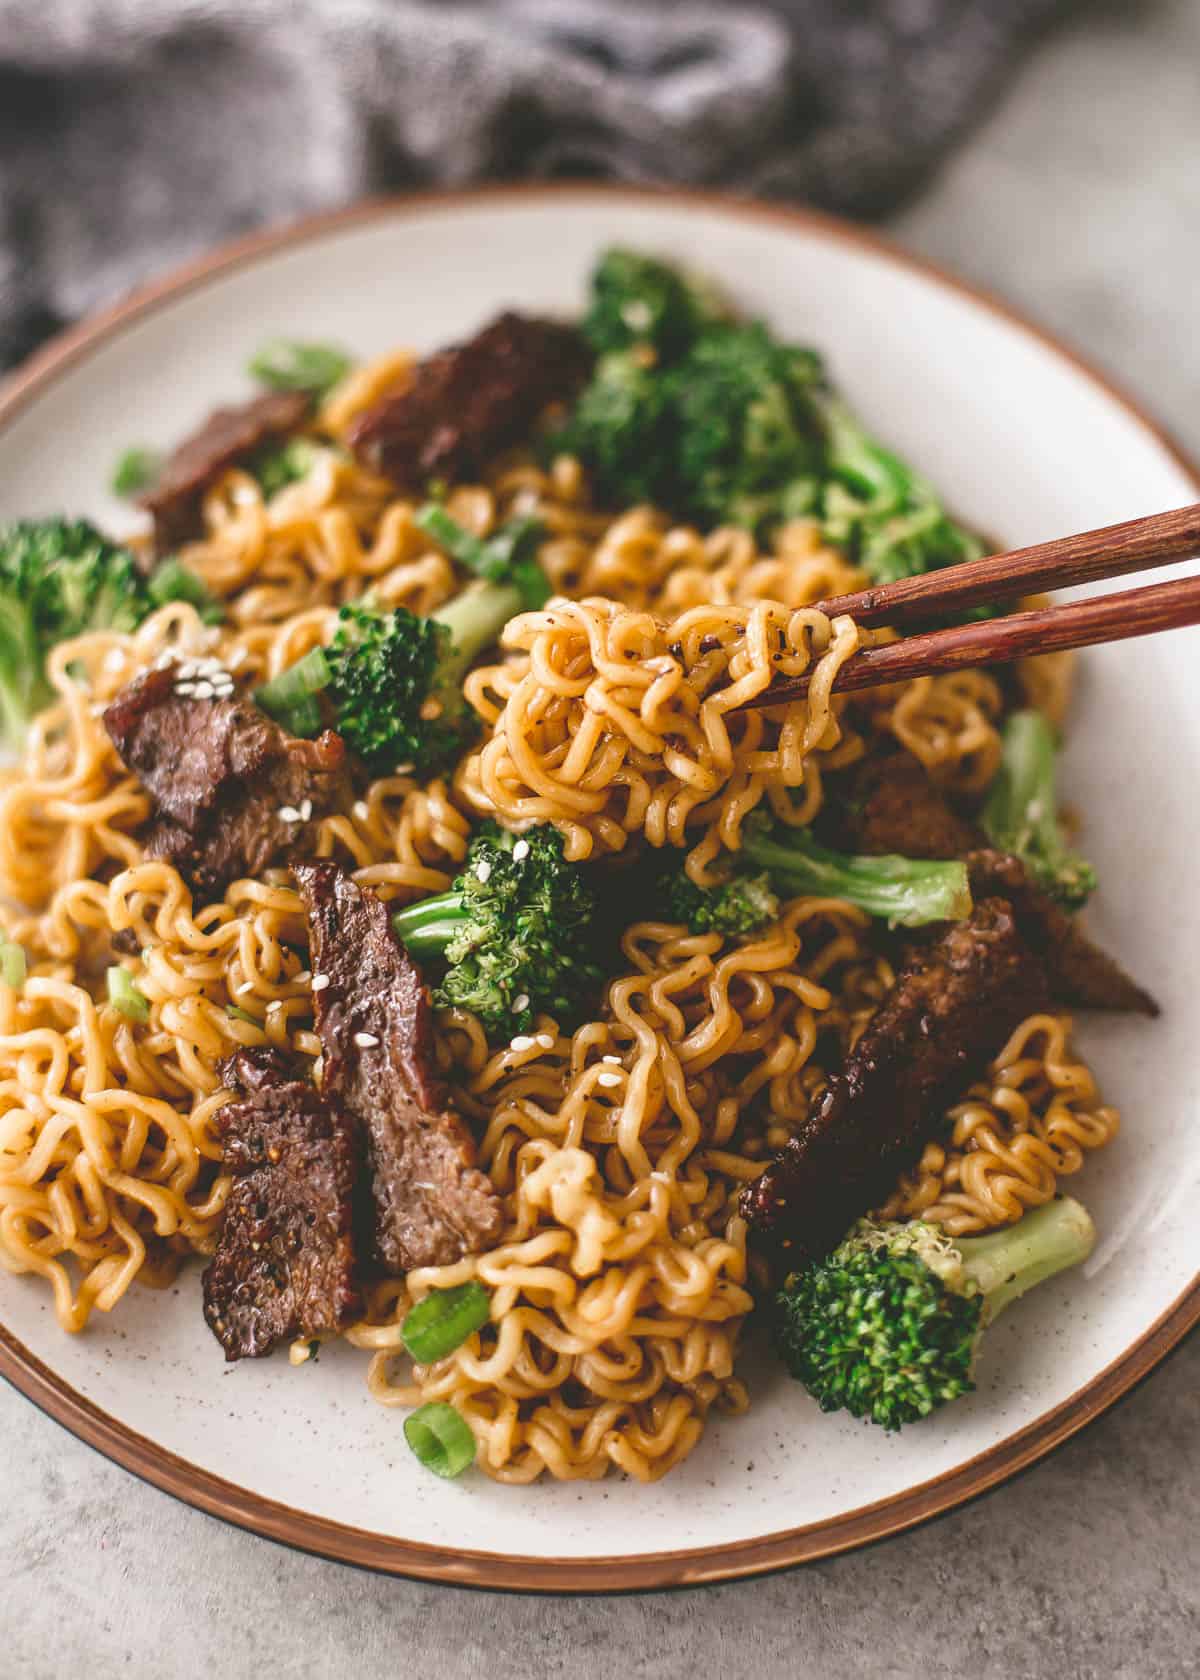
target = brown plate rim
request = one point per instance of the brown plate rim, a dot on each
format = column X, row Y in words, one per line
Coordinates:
column 694, row 1567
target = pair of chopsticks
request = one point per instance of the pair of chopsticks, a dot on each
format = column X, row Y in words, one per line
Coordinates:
column 1113, row 551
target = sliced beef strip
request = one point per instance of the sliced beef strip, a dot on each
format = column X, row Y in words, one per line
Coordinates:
column 951, row 1009
column 893, row 806
column 222, row 776
column 285, row 1261
column 432, row 1204
column 228, row 436
column 466, row 403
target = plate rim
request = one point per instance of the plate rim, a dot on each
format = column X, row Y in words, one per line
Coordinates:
column 389, row 1554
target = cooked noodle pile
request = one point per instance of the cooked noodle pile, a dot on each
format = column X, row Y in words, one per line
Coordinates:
column 622, row 1277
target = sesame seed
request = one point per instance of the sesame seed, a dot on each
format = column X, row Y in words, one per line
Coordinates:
column 204, row 691
column 275, row 1003
column 185, row 688
column 404, row 770
column 522, row 1042
column 615, row 1060
column 320, row 981
column 361, row 810
column 545, row 1041
column 306, row 810
column 289, row 814
column 520, row 1003
column 243, row 988
column 483, row 871
column 365, row 1041
column 520, row 851
column 186, row 668
column 114, row 660
column 608, row 1079
column 302, row 979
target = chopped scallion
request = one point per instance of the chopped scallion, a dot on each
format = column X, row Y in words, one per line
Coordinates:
column 13, row 966
column 441, row 1438
column 285, row 364
column 136, row 471
column 236, row 1014
column 443, row 1321
column 509, row 555
column 290, row 697
column 125, row 996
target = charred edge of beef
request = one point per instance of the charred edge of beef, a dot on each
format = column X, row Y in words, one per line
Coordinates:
column 891, row 805
column 949, row 1012
column 228, row 784
column 468, row 402
column 431, row 1203
column 1080, row 973
column 228, row 436
column 285, row 1261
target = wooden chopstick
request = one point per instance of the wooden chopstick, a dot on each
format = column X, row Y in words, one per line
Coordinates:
column 995, row 641
column 1112, row 551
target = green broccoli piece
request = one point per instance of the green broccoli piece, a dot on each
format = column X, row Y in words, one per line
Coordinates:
column 60, row 578
column 285, row 364
column 740, row 905
column 394, row 680
column 888, row 1326
column 281, row 464
column 1021, row 811
column 637, row 300
column 516, row 932
column 904, row 892
column 621, row 426
column 135, row 471
column 171, row 580
column 885, row 517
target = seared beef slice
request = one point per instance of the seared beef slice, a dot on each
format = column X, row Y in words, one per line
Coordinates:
column 285, row 1259
column 432, row 1204
column 950, row 1011
column 233, row 793
column 228, row 436
column 464, row 404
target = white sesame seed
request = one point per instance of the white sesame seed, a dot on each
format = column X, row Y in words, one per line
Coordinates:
column 361, row 810
column 320, row 981
column 615, row 1060
column 365, row 1041
column 306, row 810
column 275, row 1003
column 302, row 979
column 403, row 770
column 483, row 871
column 289, row 814
column 114, row 660
column 520, row 851
column 522, row 1042
column 608, row 1079
column 185, row 688
column 244, row 987
column 187, row 668
column 544, row 1041
column 520, row 1003
column 204, row 691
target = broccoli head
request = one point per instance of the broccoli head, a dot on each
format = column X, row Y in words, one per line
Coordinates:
column 516, row 932
column 888, row 1326
column 738, row 906
column 637, row 300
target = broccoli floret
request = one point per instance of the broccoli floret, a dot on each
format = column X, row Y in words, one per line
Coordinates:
column 136, row 471
column 516, row 932
column 1021, row 812
column 885, row 517
column 746, row 450
column 888, row 1327
column 905, row 892
column 60, row 578
column 394, row 680
column 637, row 300
column 737, row 906
column 622, row 427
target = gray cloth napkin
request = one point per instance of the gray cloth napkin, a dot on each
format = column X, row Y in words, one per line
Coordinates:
column 134, row 133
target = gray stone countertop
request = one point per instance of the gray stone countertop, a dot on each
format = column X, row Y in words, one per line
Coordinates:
column 1079, row 200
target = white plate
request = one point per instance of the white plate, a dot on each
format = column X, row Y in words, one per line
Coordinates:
column 1028, row 444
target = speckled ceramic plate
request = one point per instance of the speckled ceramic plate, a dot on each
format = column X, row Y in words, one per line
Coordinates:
column 1029, row 444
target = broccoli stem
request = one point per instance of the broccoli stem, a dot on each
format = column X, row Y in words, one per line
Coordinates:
column 1005, row 1264
column 1021, row 813
column 905, row 892
column 428, row 926
column 475, row 619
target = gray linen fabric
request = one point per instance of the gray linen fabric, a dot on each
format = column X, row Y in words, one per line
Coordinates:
column 134, row 133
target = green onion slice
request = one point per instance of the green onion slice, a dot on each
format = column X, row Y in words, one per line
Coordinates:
column 236, row 1014
column 289, row 697
column 441, row 1439
column 125, row 997
column 136, row 471
column 444, row 1320
column 285, row 364
column 13, row 966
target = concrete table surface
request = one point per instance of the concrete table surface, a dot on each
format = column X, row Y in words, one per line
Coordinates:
column 1078, row 199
